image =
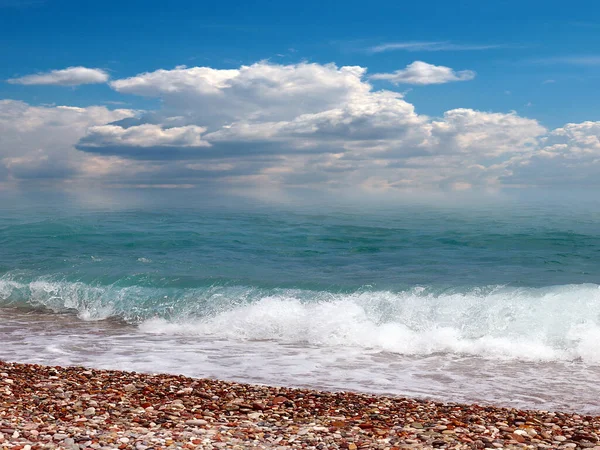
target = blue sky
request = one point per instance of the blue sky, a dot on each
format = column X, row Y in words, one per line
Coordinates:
column 537, row 41
column 537, row 60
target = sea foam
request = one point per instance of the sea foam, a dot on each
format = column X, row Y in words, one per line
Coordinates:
column 526, row 324
column 516, row 346
column 558, row 323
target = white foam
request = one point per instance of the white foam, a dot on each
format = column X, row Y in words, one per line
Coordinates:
column 65, row 340
column 560, row 323
column 89, row 302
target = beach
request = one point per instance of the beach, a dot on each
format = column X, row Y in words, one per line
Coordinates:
column 82, row 408
column 386, row 329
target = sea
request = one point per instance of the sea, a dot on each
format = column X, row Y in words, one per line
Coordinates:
column 495, row 302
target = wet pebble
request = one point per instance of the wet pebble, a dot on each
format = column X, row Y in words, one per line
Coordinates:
column 75, row 408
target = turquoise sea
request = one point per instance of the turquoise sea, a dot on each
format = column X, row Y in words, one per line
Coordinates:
column 495, row 303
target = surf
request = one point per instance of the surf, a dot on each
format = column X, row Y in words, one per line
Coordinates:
column 558, row 323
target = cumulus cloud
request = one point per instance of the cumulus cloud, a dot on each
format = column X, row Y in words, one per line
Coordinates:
column 307, row 124
column 261, row 91
column 37, row 143
column 147, row 141
column 71, row 76
column 287, row 126
column 484, row 134
column 374, row 118
column 422, row 73
column 147, row 135
column 569, row 155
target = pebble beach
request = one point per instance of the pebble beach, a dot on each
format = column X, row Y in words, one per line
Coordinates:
column 80, row 408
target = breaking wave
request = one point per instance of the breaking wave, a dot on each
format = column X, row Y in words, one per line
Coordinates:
column 559, row 323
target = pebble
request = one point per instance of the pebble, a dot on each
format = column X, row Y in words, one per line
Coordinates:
column 78, row 409
column 196, row 422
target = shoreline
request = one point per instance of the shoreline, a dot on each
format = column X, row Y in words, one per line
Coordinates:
column 81, row 408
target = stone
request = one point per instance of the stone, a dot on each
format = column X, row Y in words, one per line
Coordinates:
column 196, row 422
column 518, row 437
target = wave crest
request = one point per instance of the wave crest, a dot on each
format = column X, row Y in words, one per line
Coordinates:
column 537, row 324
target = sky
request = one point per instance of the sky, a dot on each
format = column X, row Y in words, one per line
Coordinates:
column 338, row 96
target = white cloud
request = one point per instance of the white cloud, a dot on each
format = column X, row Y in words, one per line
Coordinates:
column 147, row 141
column 38, row 142
column 312, row 125
column 71, row 76
column 376, row 117
column 287, row 126
column 200, row 80
column 422, row 73
column 430, row 46
column 578, row 136
column 569, row 155
column 484, row 134
column 261, row 91
column 147, row 135
column 459, row 150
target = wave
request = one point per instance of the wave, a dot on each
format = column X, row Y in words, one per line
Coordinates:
column 535, row 324
column 560, row 323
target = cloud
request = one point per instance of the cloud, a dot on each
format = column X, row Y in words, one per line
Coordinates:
column 430, row 46
column 145, row 141
column 422, row 73
column 278, row 127
column 573, row 60
column 37, row 143
column 146, row 135
column 261, row 91
column 303, row 125
column 375, row 116
column 71, row 76
column 485, row 134
column 567, row 156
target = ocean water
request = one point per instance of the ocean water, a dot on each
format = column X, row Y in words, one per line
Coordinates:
column 494, row 303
